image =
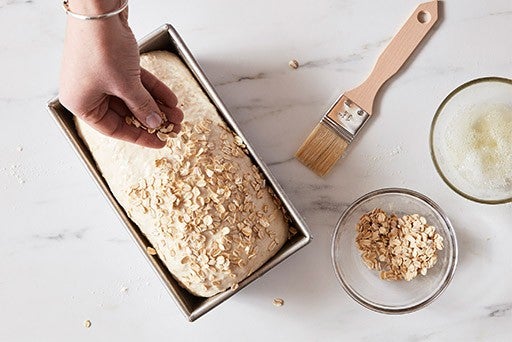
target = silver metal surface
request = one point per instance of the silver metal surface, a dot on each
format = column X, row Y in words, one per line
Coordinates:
column 65, row 6
column 166, row 38
column 346, row 117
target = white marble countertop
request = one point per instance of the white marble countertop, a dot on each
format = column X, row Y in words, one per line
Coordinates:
column 64, row 256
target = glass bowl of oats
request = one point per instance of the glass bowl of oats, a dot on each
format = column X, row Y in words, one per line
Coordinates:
column 394, row 251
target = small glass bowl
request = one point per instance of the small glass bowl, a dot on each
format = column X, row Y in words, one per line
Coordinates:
column 485, row 91
column 363, row 284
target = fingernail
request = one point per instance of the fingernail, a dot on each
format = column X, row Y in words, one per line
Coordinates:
column 153, row 120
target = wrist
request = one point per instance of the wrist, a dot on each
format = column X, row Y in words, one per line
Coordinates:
column 94, row 7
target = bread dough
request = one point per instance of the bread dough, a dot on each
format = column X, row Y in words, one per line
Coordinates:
column 200, row 201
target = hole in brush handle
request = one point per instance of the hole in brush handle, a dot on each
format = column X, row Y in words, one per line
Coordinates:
column 424, row 17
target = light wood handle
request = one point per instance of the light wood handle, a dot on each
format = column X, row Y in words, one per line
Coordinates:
column 395, row 54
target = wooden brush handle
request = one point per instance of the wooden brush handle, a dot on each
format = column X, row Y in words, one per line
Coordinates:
column 395, row 54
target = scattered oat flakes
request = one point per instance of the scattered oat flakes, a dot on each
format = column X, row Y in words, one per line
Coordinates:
column 278, row 302
column 162, row 136
column 87, row 323
column 294, row 64
column 151, row 250
column 292, row 231
column 20, row 148
column 239, row 141
column 207, row 220
column 164, row 132
column 399, row 248
column 216, row 223
column 124, row 289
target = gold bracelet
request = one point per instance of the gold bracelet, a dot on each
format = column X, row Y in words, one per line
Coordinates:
column 65, row 5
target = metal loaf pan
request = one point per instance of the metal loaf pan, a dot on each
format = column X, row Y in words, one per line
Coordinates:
column 193, row 307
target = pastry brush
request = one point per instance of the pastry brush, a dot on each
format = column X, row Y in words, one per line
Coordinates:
column 339, row 126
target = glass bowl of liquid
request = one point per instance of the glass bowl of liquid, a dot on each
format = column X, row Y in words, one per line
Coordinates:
column 471, row 140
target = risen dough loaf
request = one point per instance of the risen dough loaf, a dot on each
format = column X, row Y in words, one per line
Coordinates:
column 200, row 201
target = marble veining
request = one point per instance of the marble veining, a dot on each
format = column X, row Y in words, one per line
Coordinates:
column 280, row 162
column 63, row 235
column 65, row 257
column 500, row 310
column 500, row 13
column 5, row 3
column 258, row 76
column 354, row 56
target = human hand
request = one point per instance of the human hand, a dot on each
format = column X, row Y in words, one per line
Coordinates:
column 102, row 81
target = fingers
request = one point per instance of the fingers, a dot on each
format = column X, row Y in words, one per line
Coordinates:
column 150, row 97
column 112, row 123
column 174, row 115
column 177, row 123
column 141, row 104
column 158, row 89
column 165, row 98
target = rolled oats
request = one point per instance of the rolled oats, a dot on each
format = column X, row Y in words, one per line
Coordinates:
column 163, row 132
column 207, row 204
column 278, row 302
column 399, row 248
column 294, row 64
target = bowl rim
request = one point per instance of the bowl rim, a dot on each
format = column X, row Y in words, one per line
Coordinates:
column 445, row 282
column 439, row 110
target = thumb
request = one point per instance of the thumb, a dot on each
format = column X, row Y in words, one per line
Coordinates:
column 142, row 105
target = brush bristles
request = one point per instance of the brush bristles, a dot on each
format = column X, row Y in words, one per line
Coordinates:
column 321, row 150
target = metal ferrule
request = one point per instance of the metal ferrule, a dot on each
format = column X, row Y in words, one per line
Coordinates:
column 346, row 118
